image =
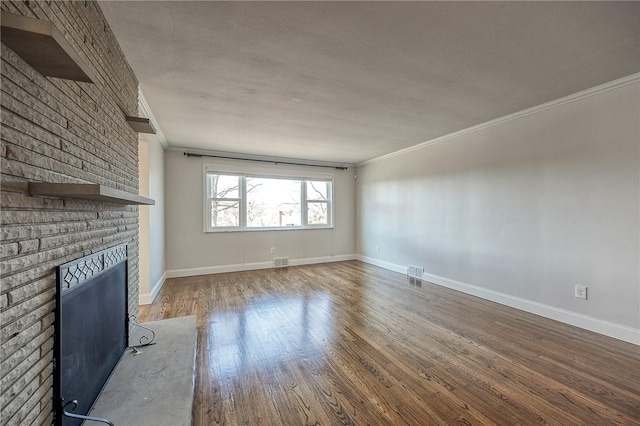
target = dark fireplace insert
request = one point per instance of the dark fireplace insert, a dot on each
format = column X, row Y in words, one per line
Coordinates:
column 91, row 329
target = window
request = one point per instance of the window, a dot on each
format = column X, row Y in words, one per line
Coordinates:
column 223, row 199
column 242, row 201
column 273, row 203
column 318, row 202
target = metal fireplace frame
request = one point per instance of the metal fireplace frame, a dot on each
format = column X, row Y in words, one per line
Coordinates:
column 83, row 278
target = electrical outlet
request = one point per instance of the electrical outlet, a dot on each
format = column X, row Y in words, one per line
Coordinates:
column 272, row 250
column 581, row 292
column 377, row 249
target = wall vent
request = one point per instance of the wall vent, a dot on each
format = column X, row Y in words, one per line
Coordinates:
column 280, row 262
column 415, row 271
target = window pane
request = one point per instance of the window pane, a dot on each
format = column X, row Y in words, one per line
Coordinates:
column 224, row 186
column 273, row 202
column 225, row 213
column 317, row 190
column 317, row 213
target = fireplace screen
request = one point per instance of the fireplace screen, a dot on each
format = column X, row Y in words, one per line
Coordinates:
column 91, row 328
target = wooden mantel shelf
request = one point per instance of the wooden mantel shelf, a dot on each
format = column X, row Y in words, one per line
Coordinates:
column 88, row 191
column 140, row 124
column 43, row 46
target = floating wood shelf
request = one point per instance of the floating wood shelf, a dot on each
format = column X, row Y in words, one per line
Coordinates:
column 43, row 47
column 141, row 124
column 88, row 191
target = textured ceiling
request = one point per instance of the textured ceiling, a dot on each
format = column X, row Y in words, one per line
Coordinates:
column 349, row 81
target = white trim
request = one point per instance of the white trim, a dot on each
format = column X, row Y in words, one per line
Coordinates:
column 617, row 331
column 323, row 259
column 145, row 110
column 148, row 298
column 381, row 263
column 615, row 84
column 208, row 270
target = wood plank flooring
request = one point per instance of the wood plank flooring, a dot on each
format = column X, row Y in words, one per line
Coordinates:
column 350, row 343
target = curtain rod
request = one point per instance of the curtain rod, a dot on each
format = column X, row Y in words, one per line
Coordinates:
column 191, row 154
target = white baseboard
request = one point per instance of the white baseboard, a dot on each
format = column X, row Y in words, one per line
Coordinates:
column 381, row 263
column 148, row 298
column 617, row 331
column 190, row 272
column 323, row 259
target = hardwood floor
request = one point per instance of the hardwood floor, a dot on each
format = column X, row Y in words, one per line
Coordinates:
column 350, row 343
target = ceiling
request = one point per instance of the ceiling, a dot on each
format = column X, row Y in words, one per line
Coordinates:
column 350, row 81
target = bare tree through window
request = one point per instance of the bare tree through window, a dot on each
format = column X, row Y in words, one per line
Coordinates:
column 276, row 203
column 317, row 202
column 240, row 201
column 224, row 199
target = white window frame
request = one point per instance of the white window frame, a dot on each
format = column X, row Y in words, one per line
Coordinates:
column 305, row 204
column 239, row 199
column 256, row 172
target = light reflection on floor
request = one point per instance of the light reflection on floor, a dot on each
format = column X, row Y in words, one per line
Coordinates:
column 269, row 331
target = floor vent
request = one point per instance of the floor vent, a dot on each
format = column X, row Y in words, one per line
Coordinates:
column 280, row 262
column 415, row 271
column 414, row 282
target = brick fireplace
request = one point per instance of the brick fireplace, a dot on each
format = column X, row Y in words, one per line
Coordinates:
column 59, row 131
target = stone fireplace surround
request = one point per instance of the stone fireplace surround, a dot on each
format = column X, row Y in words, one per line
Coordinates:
column 58, row 131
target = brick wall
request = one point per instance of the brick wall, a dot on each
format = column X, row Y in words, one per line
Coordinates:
column 58, row 131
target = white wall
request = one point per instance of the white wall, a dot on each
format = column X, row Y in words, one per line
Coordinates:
column 143, row 220
column 156, row 215
column 521, row 211
column 152, row 226
column 190, row 251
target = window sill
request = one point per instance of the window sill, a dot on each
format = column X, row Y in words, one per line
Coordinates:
column 292, row 228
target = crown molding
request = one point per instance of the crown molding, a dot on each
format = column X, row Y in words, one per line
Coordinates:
column 615, row 84
column 145, row 110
